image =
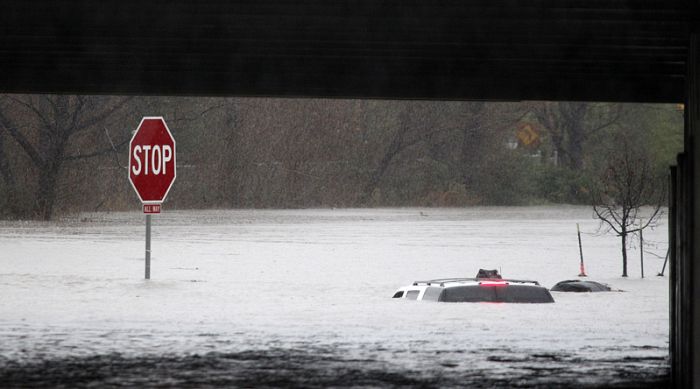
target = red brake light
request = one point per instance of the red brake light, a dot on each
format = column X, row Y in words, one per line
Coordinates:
column 493, row 283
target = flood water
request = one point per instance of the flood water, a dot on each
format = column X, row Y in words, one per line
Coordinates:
column 303, row 298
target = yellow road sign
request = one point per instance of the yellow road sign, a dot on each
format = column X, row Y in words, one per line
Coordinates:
column 527, row 134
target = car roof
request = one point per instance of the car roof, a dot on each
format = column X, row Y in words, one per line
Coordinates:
column 449, row 282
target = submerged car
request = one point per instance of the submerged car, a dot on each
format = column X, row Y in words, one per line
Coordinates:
column 491, row 288
column 580, row 286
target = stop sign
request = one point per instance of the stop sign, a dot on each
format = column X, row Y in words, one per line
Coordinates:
column 152, row 160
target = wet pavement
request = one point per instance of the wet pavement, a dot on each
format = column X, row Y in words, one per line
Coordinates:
column 326, row 368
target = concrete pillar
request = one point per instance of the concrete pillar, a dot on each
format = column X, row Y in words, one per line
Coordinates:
column 692, row 112
column 686, row 321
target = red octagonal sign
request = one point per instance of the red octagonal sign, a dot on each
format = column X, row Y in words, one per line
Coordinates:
column 152, row 160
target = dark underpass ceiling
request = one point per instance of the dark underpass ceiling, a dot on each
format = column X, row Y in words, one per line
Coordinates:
column 616, row 50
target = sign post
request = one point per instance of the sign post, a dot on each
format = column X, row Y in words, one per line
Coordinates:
column 152, row 170
column 641, row 246
column 582, row 268
column 148, row 246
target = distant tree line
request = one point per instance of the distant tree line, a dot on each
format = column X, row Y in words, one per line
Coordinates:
column 63, row 154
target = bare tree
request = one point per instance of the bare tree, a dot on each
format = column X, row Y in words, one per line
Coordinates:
column 571, row 124
column 408, row 126
column 628, row 183
column 396, row 144
column 47, row 128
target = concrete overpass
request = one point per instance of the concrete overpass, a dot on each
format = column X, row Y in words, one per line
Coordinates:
column 597, row 50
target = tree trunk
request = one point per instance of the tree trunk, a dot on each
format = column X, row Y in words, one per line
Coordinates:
column 391, row 152
column 576, row 126
column 11, row 197
column 46, row 193
column 471, row 141
column 559, row 149
column 576, row 150
column 467, row 156
column 624, row 253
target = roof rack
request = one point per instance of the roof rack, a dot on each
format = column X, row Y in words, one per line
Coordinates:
column 442, row 281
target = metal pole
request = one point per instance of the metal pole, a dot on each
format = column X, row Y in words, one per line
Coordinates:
column 148, row 247
column 665, row 262
column 582, row 269
column 641, row 247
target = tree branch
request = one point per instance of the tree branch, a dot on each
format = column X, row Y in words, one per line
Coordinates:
column 19, row 137
column 97, row 153
column 606, row 124
column 116, row 155
column 199, row 115
column 76, row 111
column 603, row 218
column 31, row 107
column 5, row 170
column 102, row 116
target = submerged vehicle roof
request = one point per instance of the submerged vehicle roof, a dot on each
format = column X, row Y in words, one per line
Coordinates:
column 495, row 290
column 580, row 286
